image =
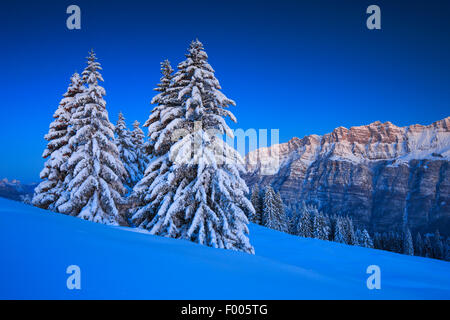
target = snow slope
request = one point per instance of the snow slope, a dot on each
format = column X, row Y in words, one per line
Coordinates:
column 36, row 247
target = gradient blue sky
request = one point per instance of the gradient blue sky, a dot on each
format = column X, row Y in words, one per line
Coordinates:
column 301, row 66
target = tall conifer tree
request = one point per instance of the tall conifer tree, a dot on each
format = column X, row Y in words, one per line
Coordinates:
column 96, row 188
column 257, row 203
column 418, row 245
column 305, row 222
column 49, row 191
column 137, row 137
column 408, row 246
column 127, row 153
column 195, row 191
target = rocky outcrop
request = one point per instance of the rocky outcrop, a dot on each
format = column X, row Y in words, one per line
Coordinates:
column 380, row 174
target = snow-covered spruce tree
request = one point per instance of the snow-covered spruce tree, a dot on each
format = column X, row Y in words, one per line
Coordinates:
column 292, row 219
column 364, row 239
column 257, row 203
column 137, row 137
column 328, row 225
column 358, row 235
column 95, row 189
column 127, row 153
column 166, row 114
column 305, row 222
column 438, row 247
column 321, row 230
column 284, row 223
column 418, row 245
column 349, row 233
column 408, row 246
column 427, row 247
column 54, row 173
column 392, row 242
column 332, row 223
column 399, row 241
column 447, row 249
column 164, row 119
column 272, row 217
column 195, row 190
column 377, row 242
column 385, row 241
column 339, row 231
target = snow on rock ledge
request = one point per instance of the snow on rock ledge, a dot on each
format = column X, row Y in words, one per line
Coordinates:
column 376, row 141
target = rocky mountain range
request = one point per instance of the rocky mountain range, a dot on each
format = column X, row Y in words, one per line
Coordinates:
column 380, row 174
column 15, row 190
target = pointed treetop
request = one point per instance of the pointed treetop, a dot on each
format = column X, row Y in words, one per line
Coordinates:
column 121, row 122
column 166, row 68
column 165, row 80
column 90, row 73
column 92, row 54
column 136, row 124
column 196, row 44
column 199, row 199
column 198, row 90
column 75, row 77
column 76, row 85
column 196, row 52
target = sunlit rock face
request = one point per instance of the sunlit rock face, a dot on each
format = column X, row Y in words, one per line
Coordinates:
column 380, row 174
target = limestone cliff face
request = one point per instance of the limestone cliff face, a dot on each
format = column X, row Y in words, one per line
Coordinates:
column 377, row 173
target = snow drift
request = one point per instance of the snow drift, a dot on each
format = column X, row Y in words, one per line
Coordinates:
column 123, row 263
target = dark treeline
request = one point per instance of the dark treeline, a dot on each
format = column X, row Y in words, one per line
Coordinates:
column 305, row 220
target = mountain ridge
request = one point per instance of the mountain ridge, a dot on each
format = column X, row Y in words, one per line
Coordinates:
column 15, row 190
column 378, row 173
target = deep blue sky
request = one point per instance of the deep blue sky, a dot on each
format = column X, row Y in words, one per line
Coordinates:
column 301, row 66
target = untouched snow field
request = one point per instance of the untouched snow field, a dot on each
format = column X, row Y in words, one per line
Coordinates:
column 123, row 263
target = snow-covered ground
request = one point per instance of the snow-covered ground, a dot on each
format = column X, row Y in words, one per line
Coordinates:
column 37, row 246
